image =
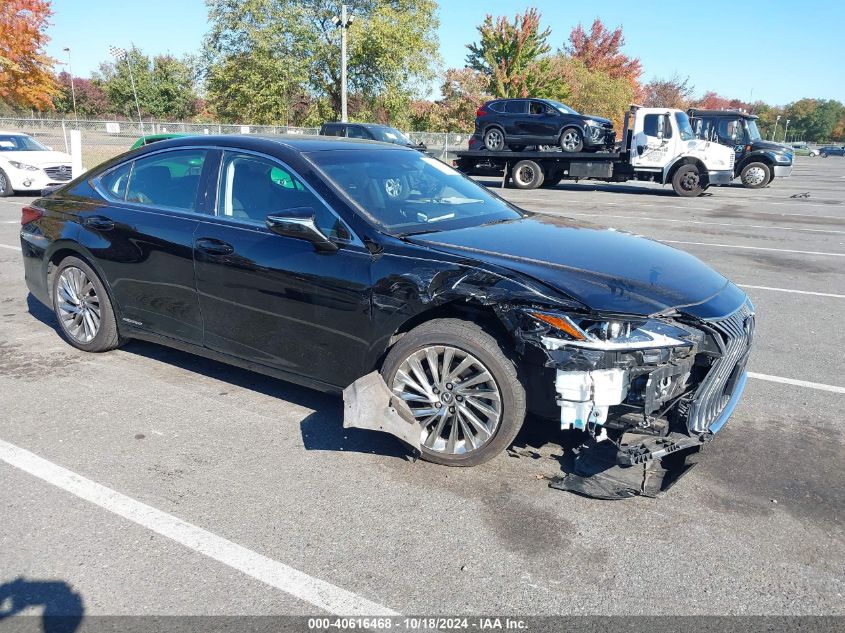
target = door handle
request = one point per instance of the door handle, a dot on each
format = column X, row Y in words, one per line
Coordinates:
column 99, row 223
column 214, row 247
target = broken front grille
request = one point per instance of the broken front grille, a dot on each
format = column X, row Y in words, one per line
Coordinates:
column 60, row 173
column 714, row 392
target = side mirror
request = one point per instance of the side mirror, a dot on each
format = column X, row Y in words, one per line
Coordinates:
column 299, row 223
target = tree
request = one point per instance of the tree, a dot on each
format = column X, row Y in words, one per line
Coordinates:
column 600, row 50
column 294, row 46
column 91, row 101
column 670, row 93
column 594, row 92
column 714, row 101
column 814, row 118
column 26, row 77
column 514, row 56
column 165, row 86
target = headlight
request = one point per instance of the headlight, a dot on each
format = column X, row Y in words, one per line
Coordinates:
column 614, row 334
column 783, row 158
column 23, row 166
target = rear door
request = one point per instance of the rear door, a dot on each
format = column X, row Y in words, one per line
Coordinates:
column 515, row 111
column 275, row 300
column 142, row 239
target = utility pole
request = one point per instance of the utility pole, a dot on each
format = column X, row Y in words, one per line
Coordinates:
column 72, row 89
column 775, row 130
column 786, row 129
column 343, row 23
column 120, row 53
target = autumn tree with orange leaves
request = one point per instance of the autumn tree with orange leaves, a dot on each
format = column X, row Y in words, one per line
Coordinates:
column 26, row 72
column 600, row 50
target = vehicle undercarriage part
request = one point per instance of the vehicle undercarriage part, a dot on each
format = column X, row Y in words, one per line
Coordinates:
column 585, row 396
column 369, row 404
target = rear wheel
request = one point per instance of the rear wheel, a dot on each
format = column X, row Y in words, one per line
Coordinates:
column 527, row 174
column 494, row 139
column 755, row 175
column 83, row 307
column 687, row 181
column 461, row 387
column 5, row 185
column 572, row 140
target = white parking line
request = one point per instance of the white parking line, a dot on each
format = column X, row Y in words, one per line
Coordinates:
column 23, row 204
column 12, row 248
column 797, row 383
column 314, row 591
column 745, row 226
column 797, row 292
column 754, row 248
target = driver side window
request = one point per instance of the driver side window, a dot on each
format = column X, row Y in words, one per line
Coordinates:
column 252, row 187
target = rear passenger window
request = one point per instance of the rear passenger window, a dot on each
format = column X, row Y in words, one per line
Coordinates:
column 169, row 179
column 333, row 130
column 356, row 131
column 515, row 107
column 113, row 184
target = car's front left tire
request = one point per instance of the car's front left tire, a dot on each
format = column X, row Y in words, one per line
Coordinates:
column 5, row 185
column 83, row 307
column 462, row 387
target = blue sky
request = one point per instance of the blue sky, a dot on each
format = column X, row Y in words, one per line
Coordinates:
column 774, row 50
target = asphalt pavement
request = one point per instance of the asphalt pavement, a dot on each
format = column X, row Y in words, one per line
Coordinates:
column 155, row 482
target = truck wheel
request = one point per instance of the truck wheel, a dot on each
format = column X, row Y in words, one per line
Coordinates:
column 462, row 388
column 527, row 174
column 494, row 140
column 5, row 185
column 687, row 181
column 572, row 140
column 755, row 175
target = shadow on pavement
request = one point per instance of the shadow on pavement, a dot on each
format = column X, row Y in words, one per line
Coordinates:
column 62, row 607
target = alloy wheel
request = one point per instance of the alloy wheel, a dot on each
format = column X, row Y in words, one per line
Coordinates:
column 494, row 140
column 78, row 305
column 755, row 176
column 453, row 397
column 570, row 141
column 3, row 183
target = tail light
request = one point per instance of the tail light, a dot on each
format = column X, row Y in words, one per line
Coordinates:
column 481, row 112
column 30, row 214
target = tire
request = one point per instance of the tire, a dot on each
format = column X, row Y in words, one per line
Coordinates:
column 5, row 185
column 68, row 287
column 548, row 183
column 429, row 343
column 755, row 175
column 527, row 174
column 572, row 140
column 823, row 154
column 687, row 181
column 494, row 139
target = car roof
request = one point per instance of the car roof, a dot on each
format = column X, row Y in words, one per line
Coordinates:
column 702, row 112
column 299, row 143
column 367, row 125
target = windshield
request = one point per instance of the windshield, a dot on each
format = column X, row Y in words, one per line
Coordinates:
column 20, row 143
column 684, row 126
column 389, row 134
column 409, row 193
column 753, row 132
column 563, row 108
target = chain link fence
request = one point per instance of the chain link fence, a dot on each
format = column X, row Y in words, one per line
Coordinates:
column 102, row 140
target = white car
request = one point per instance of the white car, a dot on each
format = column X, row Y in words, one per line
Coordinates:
column 27, row 165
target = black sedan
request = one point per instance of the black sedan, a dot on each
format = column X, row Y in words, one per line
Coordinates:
column 442, row 311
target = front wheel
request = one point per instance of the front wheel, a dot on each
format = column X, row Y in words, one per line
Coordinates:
column 687, row 181
column 755, row 175
column 462, row 389
column 572, row 140
column 527, row 174
column 5, row 185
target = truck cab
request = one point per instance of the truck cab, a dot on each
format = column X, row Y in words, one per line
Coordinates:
column 758, row 161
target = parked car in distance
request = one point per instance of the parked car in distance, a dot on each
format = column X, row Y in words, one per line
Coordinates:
column 831, row 150
column 154, row 138
column 321, row 261
column 802, row 149
column 758, row 161
column 370, row 132
column 518, row 123
column 28, row 165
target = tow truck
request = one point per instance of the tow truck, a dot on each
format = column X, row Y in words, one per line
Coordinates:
column 658, row 145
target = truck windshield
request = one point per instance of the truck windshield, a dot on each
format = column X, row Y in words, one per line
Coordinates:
column 684, row 126
column 753, row 132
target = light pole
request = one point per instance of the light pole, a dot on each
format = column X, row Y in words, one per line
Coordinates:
column 774, row 131
column 72, row 88
column 785, row 130
column 120, row 53
column 343, row 23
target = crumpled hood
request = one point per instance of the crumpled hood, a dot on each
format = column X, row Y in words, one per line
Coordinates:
column 38, row 158
column 605, row 269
